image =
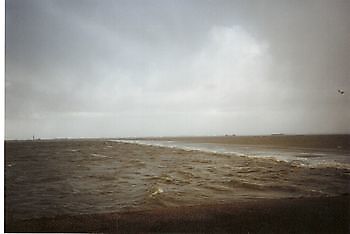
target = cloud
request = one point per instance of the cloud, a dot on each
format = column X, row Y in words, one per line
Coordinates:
column 126, row 68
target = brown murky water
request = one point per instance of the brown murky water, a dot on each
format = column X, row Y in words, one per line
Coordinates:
column 49, row 178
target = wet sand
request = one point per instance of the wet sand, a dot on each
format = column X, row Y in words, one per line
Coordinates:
column 302, row 215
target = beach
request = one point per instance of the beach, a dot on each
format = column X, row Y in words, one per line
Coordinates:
column 302, row 215
column 102, row 185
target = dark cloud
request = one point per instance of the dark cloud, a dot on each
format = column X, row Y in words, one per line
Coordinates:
column 136, row 68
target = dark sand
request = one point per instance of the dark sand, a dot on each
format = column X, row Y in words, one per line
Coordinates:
column 301, row 215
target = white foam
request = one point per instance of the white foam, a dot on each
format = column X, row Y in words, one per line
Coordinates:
column 158, row 191
column 100, row 156
column 318, row 159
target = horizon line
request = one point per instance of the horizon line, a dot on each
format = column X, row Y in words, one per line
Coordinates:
column 172, row 136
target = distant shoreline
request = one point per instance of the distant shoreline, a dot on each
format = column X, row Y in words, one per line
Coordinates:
column 331, row 141
column 180, row 136
column 341, row 142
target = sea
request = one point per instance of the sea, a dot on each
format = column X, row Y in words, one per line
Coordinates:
column 311, row 157
column 50, row 178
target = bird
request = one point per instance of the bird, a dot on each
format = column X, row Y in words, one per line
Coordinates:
column 341, row 91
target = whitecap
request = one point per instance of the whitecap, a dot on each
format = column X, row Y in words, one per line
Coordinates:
column 100, row 156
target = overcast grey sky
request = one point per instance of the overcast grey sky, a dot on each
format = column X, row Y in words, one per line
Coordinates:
column 101, row 68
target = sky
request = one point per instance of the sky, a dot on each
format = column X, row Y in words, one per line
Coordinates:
column 82, row 68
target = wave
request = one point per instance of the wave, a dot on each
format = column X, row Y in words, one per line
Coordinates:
column 293, row 157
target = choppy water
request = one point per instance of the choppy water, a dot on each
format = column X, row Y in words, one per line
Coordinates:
column 48, row 178
column 302, row 156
